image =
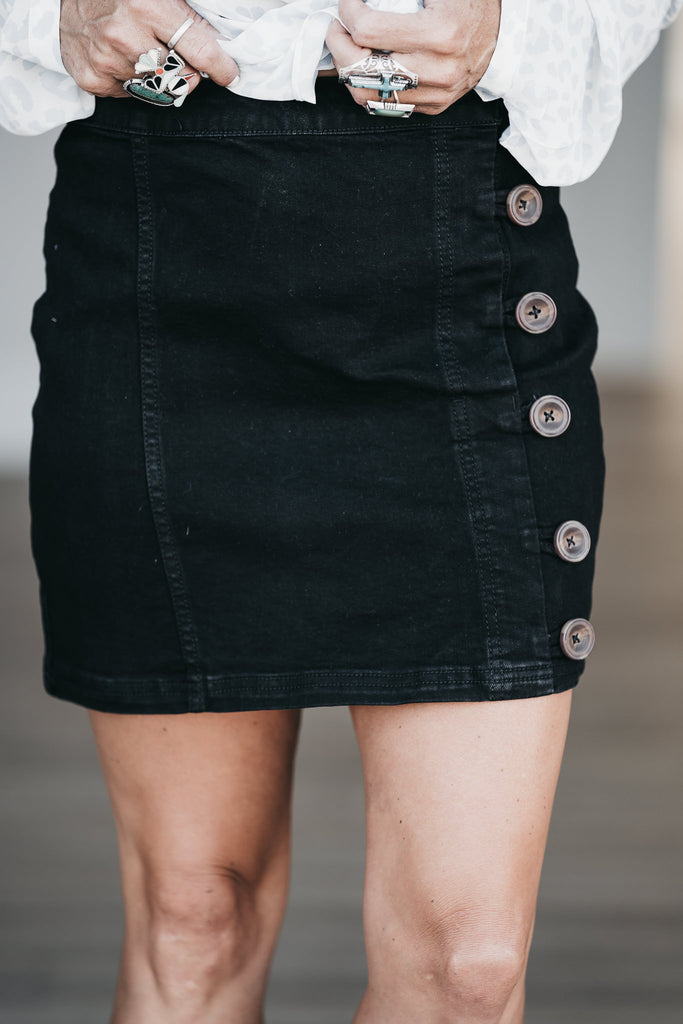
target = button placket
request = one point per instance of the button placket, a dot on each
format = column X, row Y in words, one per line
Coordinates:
column 550, row 416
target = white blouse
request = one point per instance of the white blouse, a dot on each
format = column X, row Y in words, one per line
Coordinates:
column 559, row 66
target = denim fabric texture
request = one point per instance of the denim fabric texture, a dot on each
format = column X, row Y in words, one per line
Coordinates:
column 282, row 453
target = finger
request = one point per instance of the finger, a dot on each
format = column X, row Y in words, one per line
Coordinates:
column 430, row 101
column 116, row 63
column 345, row 52
column 192, row 76
column 342, row 47
column 379, row 30
column 439, row 83
column 199, row 47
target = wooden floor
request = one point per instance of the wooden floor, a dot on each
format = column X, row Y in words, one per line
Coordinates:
column 609, row 936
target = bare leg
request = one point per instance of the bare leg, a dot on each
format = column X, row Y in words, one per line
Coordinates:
column 458, row 800
column 202, row 810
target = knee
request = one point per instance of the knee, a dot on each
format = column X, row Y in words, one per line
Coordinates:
column 468, row 965
column 478, row 977
column 205, row 920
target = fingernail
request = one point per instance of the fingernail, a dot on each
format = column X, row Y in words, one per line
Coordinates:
column 234, row 82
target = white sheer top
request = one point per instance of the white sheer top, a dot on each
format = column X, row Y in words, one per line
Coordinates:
column 559, row 66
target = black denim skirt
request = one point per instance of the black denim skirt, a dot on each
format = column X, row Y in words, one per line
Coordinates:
column 316, row 420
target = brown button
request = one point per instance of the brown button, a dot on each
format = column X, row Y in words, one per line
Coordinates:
column 577, row 639
column 536, row 312
column 550, row 415
column 524, row 205
column 572, row 541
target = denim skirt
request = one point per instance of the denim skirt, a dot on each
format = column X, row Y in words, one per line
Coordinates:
column 316, row 420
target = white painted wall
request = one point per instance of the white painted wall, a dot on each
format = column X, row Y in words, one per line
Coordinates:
column 613, row 218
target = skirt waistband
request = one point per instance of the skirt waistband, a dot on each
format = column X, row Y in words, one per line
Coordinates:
column 212, row 110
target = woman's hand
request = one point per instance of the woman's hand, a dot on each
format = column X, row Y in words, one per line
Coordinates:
column 448, row 45
column 101, row 40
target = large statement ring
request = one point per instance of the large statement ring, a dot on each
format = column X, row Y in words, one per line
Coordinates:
column 380, row 71
column 162, row 82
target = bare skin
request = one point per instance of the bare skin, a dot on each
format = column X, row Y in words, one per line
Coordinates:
column 102, row 39
column 458, row 804
column 202, row 811
column 448, row 44
column 458, row 801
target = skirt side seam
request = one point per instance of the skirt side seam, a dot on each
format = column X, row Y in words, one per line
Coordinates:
column 460, row 426
column 151, row 429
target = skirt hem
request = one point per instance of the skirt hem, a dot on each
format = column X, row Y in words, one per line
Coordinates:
column 310, row 688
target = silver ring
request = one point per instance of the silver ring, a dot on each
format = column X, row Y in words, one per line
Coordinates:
column 389, row 108
column 378, row 71
column 188, row 23
column 161, row 83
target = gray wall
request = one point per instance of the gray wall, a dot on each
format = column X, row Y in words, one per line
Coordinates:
column 613, row 217
column 614, row 222
column 26, row 179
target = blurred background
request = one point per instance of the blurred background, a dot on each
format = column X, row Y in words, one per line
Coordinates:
column 609, row 932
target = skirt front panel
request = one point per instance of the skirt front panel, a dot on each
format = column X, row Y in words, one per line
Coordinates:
column 282, row 451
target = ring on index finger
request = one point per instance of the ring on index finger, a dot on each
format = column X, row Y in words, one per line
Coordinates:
column 379, row 70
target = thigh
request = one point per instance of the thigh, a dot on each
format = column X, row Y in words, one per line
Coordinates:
column 199, row 793
column 458, row 799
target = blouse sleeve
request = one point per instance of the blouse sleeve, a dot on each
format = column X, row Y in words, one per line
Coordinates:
column 559, row 66
column 36, row 92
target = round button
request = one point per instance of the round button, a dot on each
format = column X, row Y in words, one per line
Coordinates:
column 524, row 205
column 572, row 541
column 550, row 416
column 536, row 312
column 577, row 639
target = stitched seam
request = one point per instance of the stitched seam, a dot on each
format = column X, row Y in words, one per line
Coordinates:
column 277, row 681
column 507, row 262
column 462, row 438
column 275, row 133
column 465, row 673
column 151, row 429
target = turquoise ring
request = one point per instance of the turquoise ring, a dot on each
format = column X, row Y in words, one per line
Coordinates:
column 162, row 82
column 380, row 71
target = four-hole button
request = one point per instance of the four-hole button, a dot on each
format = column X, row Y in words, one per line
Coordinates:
column 524, row 205
column 577, row 639
column 572, row 541
column 536, row 312
column 550, row 415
